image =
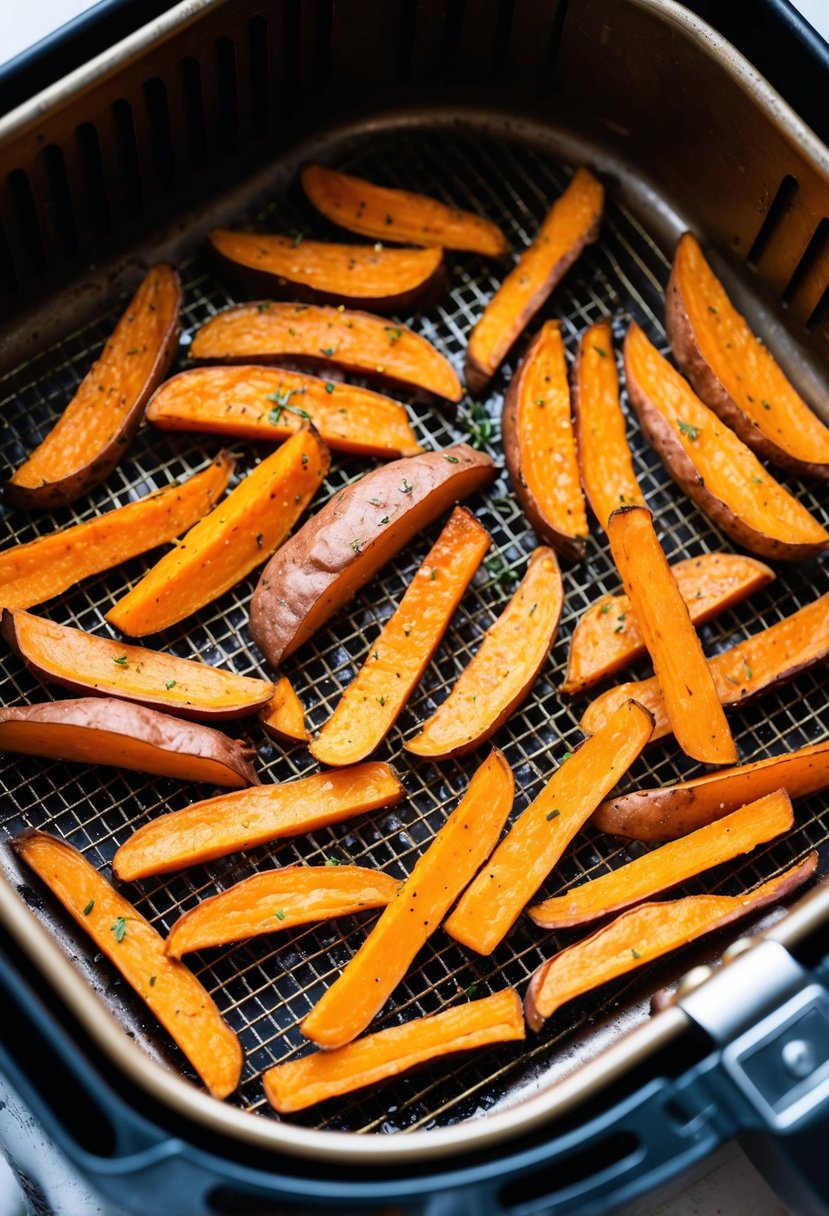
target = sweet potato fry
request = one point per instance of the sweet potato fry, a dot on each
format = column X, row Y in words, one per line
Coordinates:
column 672, row 811
column 170, row 991
column 440, row 874
column 357, row 341
column 397, row 658
column 283, row 718
column 84, row 663
column 540, row 445
column 762, row 661
column 571, row 223
column 101, row 730
column 43, row 568
column 666, row 867
column 605, row 462
column 269, row 403
column 93, row 432
column 297, row 1084
column 685, row 680
column 279, row 899
column 502, row 671
column 607, row 637
column 222, row 825
column 228, row 543
column 537, row 839
column 643, row 935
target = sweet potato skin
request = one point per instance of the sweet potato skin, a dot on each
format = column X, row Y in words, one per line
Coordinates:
column 341, row 547
column 124, row 370
column 80, row 729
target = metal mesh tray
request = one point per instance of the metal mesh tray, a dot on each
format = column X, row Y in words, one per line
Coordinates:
column 266, row 986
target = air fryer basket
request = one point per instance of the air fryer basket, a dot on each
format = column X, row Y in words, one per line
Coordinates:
column 508, row 163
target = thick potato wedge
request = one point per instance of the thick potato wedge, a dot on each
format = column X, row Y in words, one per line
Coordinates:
column 715, row 468
column 283, row 718
column 607, row 637
column 398, row 215
column 338, row 550
column 571, row 223
column 503, row 669
column 279, row 899
column 269, row 403
column 132, row 945
column 35, row 572
column 763, row 661
column 535, row 842
column 734, row 373
column 397, row 658
column 665, row 867
column 297, row 1084
column 229, row 823
column 269, row 332
column 540, row 445
column 605, row 461
column 440, row 874
column 101, row 730
column 84, row 663
column 685, row 680
column 321, row 272
column 644, row 934
column 228, row 543
column 672, row 811
column 93, row 432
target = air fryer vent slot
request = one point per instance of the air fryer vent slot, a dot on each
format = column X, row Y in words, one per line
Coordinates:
column 774, row 218
column 96, row 203
column 25, row 214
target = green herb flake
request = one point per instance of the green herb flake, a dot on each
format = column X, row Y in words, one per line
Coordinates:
column 619, row 629
column 328, row 351
column 554, row 814
column 297, row 241
column 375, row 502
column 170, row 684
column 532, row 610
column 687, row 429
column 119, row 928
column 747, row 670
column 264, row 306
column 480, row 428
column 333, row 861
column 123, row 661
column 605, row 608
column 304, row 460
column 381, row 700
column 635, row 953
column 499, row 570
column 356, row 545
column 384, row 520
column 329, row 388
column 433, row 575
column 451, row 459
column 375, row 655
column 712, row 309
column 600, row 351
column 280, row 915
column 765, row 404
column 756, row 481
column 406, row 487
column 395, row 333
column 153, row 978
column 89, row 907
column 539, row 401
column 135, row 351
column 566, row 756
column 470, row 991
column 282, row 400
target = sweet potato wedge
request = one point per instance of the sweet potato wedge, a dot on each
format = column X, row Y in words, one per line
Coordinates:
column 267, row 332
column 35, row 572
column 321, row 272
column 734, row 373
column 643, row 935
column 665, row 867
column 672, row 811
column 537, row 839
column 229, row 823
column 571, row 223
column 283, row 718
column 605, row 461
column 268, row 403
column 343, row 546
column 715, row 468
column 84, row 663
column 276, row 900
column 371, row 703
column 685, row 680
column 227, row 544
column 93, row 432
column 398, row 215
column 503, row 669
column 102, row 730
column 764, row 660
column 297, row 1084
column 440, row 874
column 171, row 992
column 540, row 445
column 607, row 637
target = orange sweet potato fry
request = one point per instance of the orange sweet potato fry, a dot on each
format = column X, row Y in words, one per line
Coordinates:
column 397, row 658
column 277, row 900
column 440, row 874
column 43, row 568
column 673, row 863
column 222, row 825
column 283, row 718
column 297, row 1084
column 537, row 839
column 170, row 991
column 643, row 935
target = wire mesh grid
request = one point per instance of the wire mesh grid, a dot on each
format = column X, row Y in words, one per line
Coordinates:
column 265, row 987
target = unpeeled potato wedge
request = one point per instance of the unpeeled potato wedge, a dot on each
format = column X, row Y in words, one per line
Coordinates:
column 171, row 992
column 283, row 718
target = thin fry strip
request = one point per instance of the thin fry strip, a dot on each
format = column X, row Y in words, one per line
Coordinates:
column 283, row 718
